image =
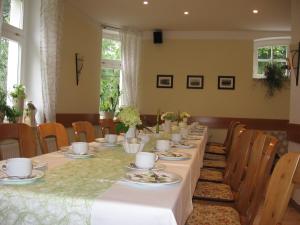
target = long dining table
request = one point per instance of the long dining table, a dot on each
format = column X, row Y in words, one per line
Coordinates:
column 93, row 191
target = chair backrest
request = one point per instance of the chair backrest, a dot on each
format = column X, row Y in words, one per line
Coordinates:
column 283, row 180
column 253, row 187
column 86, row 128
column 23, row 134
column 56, row 130
column 235, row 171
column 230, row 130
column 107, row 126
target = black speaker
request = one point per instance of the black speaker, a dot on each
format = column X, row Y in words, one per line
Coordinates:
column 157, row 37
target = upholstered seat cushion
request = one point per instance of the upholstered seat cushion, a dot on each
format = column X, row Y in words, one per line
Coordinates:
column 211, row 175
column 213, row 191
column 215, row 157
column 214, row 164
column 216, row 150
column 213, row 215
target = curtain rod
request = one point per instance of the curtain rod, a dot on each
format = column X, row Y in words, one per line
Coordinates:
column 110, row 27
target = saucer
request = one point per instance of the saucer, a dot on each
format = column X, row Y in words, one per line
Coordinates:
column 110, row 144
column 35, row 175
column 157, row 167
column 72, row 155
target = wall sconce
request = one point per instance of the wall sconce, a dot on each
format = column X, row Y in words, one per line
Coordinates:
column 79, row 65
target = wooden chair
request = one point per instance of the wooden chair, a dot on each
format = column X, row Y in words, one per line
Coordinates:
column 107, row 126
column 251, row 192
column 229, row 192
column 223, row 149
column 221, row 164
column 56, row 130
column 23, row 134
column 86, row 128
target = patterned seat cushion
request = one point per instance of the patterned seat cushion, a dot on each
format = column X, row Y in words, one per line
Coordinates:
column 211, row 175
column 215, row 157
column 213, row 215
column 216, row 150
column 214, row 192
column 214, row 164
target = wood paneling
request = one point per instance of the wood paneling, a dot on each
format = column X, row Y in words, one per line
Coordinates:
column 293, row 132
column 68, row 118
column 223, row 122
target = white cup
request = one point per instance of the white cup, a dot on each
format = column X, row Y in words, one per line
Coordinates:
column 111, row 138
column 145, row 160
column 19, row 167
column 80, row 148
column 176, row 137
column 184, row 132
column 162, row 145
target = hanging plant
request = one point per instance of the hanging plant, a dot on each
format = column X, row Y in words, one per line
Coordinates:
column 275, row 78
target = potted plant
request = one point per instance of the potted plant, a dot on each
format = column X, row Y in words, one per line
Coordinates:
column 275, row 77
column 109, row 97
column 18, row 96
column 129, row 117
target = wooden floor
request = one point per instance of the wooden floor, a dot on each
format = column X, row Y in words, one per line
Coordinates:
column 292, row 217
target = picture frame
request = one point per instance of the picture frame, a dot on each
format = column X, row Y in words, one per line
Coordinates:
column 226, row 82
column 164, row 81
column 195, row 81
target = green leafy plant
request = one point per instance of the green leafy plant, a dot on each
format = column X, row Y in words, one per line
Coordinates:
column 18, row 91
column 275, row 77
column 12, row 114
column 110, row 93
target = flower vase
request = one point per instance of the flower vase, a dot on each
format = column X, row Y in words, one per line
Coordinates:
column 167, row 126
column 131, row 132
column 18, row 104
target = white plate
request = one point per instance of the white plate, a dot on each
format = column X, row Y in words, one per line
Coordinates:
column 37, row 165
column 36, row 174
column 193, row 137
column 100, row 140
column 157, row 167
column 173, row 156
column 111, row 145
column 72, row 155
column 152, row 178
column 185, row 145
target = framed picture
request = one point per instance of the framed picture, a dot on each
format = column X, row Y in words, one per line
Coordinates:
column 164, row 81
column 194, row 81
column 226, row 82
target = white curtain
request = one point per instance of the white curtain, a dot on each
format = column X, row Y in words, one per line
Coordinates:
column 51, row 33
column 130, row 48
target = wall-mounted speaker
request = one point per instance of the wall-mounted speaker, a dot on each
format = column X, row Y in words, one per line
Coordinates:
column 157, row 37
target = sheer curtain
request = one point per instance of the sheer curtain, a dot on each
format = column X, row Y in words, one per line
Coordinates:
column 130, row 48
column 51, row 33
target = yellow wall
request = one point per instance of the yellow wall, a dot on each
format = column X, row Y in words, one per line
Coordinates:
column 209, row 58
column 80, row 35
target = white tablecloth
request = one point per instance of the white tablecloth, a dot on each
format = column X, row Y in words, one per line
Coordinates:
column 131, row 204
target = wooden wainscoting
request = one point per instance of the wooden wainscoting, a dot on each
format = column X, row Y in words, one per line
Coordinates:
column 223, row 122
column 68, row 118
column 293, row 132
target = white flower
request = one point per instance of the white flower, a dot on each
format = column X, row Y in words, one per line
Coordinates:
column 184, row 115
column 129, row 116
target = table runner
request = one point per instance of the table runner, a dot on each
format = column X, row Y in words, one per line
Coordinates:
column 66, row 194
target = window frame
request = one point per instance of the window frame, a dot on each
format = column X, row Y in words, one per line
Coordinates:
column 267, row 42
column 110, row 63
column 16, row 34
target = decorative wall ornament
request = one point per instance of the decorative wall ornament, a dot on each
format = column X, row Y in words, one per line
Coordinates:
column 79, row 65
column 164, row 81
column 194, row 81
column 226, row 82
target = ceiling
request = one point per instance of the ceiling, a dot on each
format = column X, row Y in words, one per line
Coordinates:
column 204, row 15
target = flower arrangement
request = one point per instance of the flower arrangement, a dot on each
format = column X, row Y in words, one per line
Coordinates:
column 184, row 115
column 168, row 116
column 129, row 116
column 18, row 91
column 275, row 78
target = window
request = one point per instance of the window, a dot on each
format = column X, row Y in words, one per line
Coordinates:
column 111, row 71
column 271, row 50
column 10, row 43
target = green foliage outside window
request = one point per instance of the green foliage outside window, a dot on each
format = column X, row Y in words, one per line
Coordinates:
column 3, row 62
column 111, row 49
